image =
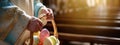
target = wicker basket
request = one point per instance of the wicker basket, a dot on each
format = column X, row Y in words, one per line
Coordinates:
column 55, row 33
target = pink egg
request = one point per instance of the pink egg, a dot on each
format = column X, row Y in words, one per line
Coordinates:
column 43, row 35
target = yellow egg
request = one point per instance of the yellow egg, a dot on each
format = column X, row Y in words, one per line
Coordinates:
column 52, row 40
column 47, row 41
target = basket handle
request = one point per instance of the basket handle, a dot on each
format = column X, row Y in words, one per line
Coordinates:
column 54, row 28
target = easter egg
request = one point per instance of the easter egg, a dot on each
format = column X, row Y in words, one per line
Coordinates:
column 52, row 40
column 43, row 35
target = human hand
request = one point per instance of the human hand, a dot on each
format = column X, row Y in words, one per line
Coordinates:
column 34, row 24
column 46, row 12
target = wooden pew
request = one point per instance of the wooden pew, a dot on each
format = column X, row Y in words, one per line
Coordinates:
column 78, row 21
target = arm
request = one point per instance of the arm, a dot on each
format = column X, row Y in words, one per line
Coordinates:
column 26, row 5
column 22, row 21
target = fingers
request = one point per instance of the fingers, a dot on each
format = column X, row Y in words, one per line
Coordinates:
column 50, row 15
column 50, row 11
column 46, row 12
column 36, row 24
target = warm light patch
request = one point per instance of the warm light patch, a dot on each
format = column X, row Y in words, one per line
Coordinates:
column 91, row 3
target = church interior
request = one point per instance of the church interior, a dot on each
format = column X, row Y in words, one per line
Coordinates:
column 86, row 22
column 75, row 22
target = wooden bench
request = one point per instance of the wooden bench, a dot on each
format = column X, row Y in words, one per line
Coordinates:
column 92, row 32
column 76, row 21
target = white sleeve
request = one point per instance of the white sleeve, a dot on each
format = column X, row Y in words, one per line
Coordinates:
column 26, row 5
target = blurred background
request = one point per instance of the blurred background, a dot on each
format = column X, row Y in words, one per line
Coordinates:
column 86, row 22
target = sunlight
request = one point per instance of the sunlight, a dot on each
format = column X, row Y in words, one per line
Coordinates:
column 91, row 3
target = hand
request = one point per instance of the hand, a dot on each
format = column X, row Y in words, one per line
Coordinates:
column 34, row 24
column 46, row 12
